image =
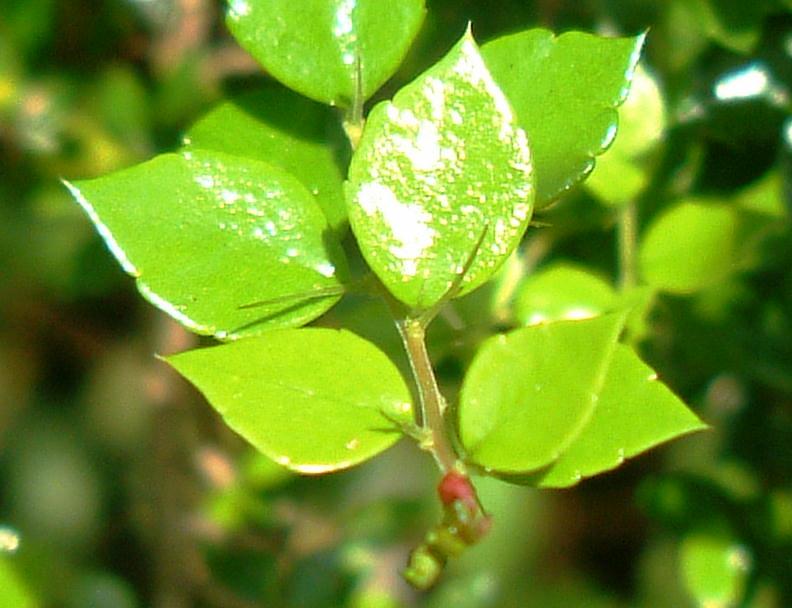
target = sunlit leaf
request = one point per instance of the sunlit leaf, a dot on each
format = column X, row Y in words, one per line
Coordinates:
column 565, row 91
column 282, row 128
column 316, row 46
column 205, row 232
column 314, row 400
column 634, row 412
column 528, row 394
column 441, row 169
column 554, row 403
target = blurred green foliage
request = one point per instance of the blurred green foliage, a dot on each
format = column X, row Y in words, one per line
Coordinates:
column 126, row 490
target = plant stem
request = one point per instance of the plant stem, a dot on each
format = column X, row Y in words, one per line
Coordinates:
column 432, row 404
column 627, row 231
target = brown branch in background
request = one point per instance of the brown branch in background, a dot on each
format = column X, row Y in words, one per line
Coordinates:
column 186, row 36
column 185, row 32
column 172, row 491
column 227, row 60
column 179, row 468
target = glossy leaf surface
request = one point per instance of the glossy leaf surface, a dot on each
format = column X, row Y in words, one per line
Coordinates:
column 690, row 246
column 281, row 128
column 565, row 91
column 634, row 413
column 314, row 46
column 439, row 169
column 529, row 393
column 314, row 400
column 205, row 232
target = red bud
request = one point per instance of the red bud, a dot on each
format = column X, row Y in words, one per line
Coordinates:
column 456, row 486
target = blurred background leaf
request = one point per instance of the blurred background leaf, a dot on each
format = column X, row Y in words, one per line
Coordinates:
column 125, row 488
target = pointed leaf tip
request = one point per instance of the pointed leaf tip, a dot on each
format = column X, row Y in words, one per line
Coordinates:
column 314, row 400
column 565, row 90
column 442, row 160
column 555, row 403
column 187, row 226
column 635, row 412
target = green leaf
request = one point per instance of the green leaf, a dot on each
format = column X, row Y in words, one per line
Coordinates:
column 617, row 181
column 205, row 232
column 314, row 46
column 28, row 25
column 764, row 197
column 624, row 170
column 735, row 25
column 12, row 592
column 639, row 301
column 279, row 127
column 120, row 100
column 567, row 291
column 634, row 413
column 529, row 393
column 562, row 401
column 563, row 291
column 438, row 168
column 262, row 473
column 715, row 568
column 690, row 246
column 314, row 400
column 565, row 91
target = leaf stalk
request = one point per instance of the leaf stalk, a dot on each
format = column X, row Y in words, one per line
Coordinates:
column 432, row 405
column 627, row 235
